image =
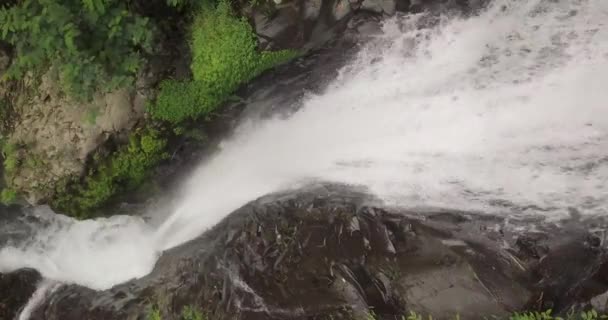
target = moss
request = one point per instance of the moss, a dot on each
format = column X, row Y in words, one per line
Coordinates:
column 8, row 196
column 224, row 56
column 124, row 170
column 195, row 134
column 188, row 313
column 91, row 116
column 11, row 158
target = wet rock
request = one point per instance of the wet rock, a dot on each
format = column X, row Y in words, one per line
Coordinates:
column 303, row 25
column 16, row 288
column 600, row 302
column 416, row 6
column 330, row 251
column 307, row 25
column 341, row 9
column 379, row 6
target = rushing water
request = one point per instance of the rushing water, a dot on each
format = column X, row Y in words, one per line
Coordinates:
column 505, row 112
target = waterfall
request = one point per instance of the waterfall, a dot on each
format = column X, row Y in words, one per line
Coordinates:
column 504, row 112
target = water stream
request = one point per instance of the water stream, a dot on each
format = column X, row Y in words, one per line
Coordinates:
column 505, row 112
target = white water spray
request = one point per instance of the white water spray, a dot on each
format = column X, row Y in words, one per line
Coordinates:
column 45, row 288
column 506, row 112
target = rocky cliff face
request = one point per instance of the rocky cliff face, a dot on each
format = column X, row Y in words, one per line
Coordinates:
column 56, row 135
column 330, row 252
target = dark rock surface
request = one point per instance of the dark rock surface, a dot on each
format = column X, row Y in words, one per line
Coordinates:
column 330, row 252
column 307, row 25
column 15, row 290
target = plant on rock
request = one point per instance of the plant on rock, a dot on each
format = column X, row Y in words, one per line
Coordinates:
column 188, row 313
column 224, row 56
column 8, row 196
column 125, row 169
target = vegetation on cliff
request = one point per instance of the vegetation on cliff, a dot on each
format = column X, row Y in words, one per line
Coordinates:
column 94, row 47
column 190, row 313
column 224, row 56
column 123, row 170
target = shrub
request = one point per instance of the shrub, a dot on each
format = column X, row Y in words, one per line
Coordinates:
column 94, row 44
column 224, row 56
column 125, row 170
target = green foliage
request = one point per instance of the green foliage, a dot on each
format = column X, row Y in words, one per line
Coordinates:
column 533, row 316
column 11, row 158
column 586, row 315
column 154, row 314
column 125, row 170
column 178, row 100
column 190, row 313
column 8, row 196
column 11, row 164
column 414, row 316
column 33, row 161
column 94, row 44
column 225, row 56
column 91, row 116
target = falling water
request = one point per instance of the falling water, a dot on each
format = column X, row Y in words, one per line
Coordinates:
column 505, row 112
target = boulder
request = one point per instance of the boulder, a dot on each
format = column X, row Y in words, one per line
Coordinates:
column 303, row 25
column 16, row 288
column 333, row 252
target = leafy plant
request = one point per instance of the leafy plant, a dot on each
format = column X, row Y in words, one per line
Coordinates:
column 225, row 56
column 94, row 44
column 125, row 169
column 154, row 314
column 91, row 116
column 190, row 313
column 11, row 158
column 546, row 315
